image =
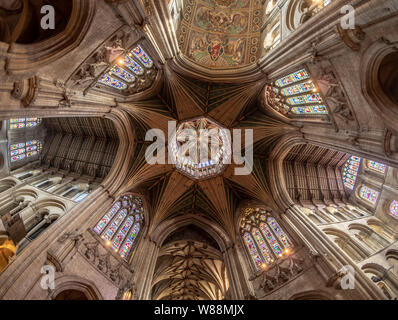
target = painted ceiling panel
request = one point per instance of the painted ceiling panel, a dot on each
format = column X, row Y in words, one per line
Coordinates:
column 221, row 33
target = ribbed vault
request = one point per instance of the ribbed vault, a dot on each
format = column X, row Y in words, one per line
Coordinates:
column 234, row 106
column 189, row 270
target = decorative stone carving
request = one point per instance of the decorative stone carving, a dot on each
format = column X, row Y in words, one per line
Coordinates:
column 75, row 236
column 279, row 273
column 100, row 59
column 111, row 266
column 26, row 91
column 273, row 100
column 351, row 37
column 334, row 95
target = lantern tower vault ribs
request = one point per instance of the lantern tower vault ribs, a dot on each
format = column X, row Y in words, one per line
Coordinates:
column 201, row 148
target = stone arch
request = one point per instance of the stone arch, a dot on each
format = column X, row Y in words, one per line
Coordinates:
column 66, row 282
column 6, row 184
column 383, row 279
column 367, row 236
column 379, row 71
column 222, row 243
column 30, row 55
column 312, row 214
column 392, row 258
column 312, row 295
column 346, row 244
column 381, row 228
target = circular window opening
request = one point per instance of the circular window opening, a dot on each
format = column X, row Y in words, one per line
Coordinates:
column 388, row 76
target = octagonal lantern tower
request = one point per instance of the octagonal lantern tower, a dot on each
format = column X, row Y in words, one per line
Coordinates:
column 201, row 147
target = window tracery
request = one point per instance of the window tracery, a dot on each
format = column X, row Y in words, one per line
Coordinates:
column 350, row 172
column 368, row 194
column 120, row 226
column 265, row 240
column 376, row 166
column 393, row 209
column 23, row 150
column 19, row 123
column 296, row 94
column 132, row 72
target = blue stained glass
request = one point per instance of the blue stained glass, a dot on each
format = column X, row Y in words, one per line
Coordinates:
column 117, row 241
column 304, row 99
column 128, row 244
column 107, row 217
column 318, row 109
column 298, row 88
column 350, row 171
column 271, row 239
column 142, row 56
column 121, row 73
column 377, row 166
column 115, row 225
column 292, row 78
column 112, row 82
column 18, row 157
column 261, row 244
column 252, row 249
column 368, row 194
column 17, row 146
column 282, row 236
column 394, row 209
column 133, row 66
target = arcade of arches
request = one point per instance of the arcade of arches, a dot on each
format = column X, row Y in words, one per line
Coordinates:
column 77, row 193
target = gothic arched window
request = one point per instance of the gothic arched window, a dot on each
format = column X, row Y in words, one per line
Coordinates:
column 125, row 72
column 23, row 150
column 368, row 194
column 264, row 238
column 19, row 123
column 299, row 95
column 376, row 166
column 120, row 226
column 350, row 172
column 394, row 209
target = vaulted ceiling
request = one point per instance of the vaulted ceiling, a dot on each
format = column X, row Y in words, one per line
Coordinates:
column 189, row 270
column 232, row 106
column 221, row 33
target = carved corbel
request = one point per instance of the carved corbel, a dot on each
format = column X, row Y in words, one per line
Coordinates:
column 26, row 91
column 351, row 37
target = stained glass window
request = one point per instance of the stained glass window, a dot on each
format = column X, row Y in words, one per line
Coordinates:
column 298, row 95
column 271, row 239
column 252, row 249
column 129, row 68
column 318, row 109
column 132, row 65
column 261, row 244
column 298, row 88
column 376, row 166
column 264, row 238
column 292, row 78
column 123, row 74
column 305, row 99
column 142, row 56
column 350, row 172
column 23, row 150
column 19, row 123
column 121, row 225
column 394, row 209
column 112, row 82
column 279, row 233
column 368, row 194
